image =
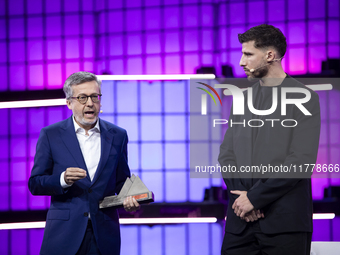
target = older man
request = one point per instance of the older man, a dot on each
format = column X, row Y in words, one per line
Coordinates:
column 78, row 162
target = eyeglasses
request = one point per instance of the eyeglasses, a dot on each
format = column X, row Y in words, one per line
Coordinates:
column 83, row 98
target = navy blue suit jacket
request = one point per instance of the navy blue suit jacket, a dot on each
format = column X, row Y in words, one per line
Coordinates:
column 58, row 149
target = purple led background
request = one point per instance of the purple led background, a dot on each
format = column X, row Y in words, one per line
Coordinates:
column 42, row 42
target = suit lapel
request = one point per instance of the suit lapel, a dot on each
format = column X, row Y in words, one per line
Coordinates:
column 248, row 130
column 248, row 143
column 69, row 137
column 106, row 139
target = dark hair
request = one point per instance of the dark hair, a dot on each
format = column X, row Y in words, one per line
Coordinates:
column 79, row 78
column 265, row 36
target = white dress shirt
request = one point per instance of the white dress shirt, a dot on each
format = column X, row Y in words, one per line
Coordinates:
column 90, row 146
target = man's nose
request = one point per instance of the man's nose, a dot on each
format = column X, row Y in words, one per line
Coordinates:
column 89, row 102
column 242, row 62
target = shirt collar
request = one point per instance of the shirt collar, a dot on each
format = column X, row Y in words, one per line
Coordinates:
column 79, row 129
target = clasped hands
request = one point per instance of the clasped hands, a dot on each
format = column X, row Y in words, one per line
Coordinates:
column 73, row 174
column 243, row 207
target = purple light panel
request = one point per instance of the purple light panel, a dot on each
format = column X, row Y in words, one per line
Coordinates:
column 36, row 77
column 176, row 179
column 147, row 240
column 175, row 237
column 53, row 26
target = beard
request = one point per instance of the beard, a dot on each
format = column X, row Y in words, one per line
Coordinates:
column 259, row 73
column 82, row 121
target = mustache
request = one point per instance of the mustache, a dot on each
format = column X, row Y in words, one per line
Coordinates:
column 90, row 110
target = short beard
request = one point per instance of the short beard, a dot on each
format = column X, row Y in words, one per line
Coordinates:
column 87, row 123
column 258, row 74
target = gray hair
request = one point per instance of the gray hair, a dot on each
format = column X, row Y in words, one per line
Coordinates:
column 79, row 78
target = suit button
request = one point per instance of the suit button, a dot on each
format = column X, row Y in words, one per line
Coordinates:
column 86, row 214
column 90, row 190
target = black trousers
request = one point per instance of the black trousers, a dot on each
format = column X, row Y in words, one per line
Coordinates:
column 253, row 242
column 89, row 245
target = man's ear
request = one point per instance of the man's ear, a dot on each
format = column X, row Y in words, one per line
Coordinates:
column 270, row 55
column 68, row 102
